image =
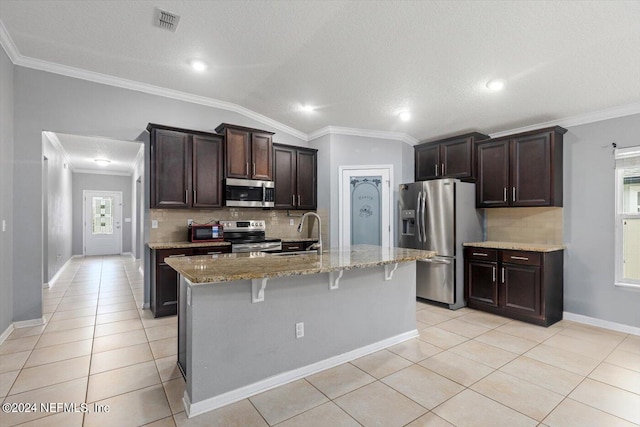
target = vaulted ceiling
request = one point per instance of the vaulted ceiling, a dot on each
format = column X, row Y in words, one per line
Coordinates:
column 359, row 63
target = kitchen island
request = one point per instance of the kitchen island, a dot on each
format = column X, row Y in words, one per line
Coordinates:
column 251, row 322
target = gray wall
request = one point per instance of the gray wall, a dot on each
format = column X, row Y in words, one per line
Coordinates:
column 58, row 232
column 46, row 101
column 99, row 182
column 6, row 190
column 589, row 212
column 344, row 150
column 137, row 211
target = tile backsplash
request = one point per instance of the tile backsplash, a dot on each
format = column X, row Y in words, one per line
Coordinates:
column 525, row 225
column 172, row 223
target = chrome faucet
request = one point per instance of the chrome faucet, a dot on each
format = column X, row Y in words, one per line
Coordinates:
column 317, row 246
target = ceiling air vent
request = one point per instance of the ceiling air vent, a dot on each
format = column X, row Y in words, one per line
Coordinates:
column 167, row 20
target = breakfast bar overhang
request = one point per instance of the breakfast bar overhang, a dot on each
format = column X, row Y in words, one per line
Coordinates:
column 240, row 316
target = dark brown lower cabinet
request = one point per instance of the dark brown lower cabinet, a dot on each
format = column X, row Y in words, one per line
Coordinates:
column 164, row 279
column 522, row 285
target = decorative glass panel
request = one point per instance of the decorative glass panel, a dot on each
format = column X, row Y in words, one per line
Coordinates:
column 366, row 193
column 102, row 215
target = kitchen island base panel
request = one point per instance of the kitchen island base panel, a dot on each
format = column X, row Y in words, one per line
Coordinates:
column 235, row 349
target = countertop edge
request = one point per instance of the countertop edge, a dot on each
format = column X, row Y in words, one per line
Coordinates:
column 175, row 263
column 517, row 246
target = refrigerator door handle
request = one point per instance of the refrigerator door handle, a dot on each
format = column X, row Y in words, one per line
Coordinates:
column 418, row 215
column 424, row 217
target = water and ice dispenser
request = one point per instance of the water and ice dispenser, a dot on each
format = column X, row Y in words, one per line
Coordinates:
column 408, row 218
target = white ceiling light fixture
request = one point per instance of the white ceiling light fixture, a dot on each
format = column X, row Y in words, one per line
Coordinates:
column 307, row 108
column 198, row 65
column 102, row 162
column 495, row 84
column 405, row 116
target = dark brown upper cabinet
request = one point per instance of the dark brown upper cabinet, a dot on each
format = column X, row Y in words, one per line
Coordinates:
column 186, row 168
column 249, row 152
column 521, row 170
column 295, row 175
column 448, row 158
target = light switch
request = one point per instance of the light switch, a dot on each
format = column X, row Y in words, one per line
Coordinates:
column 4, row 225
column 154, row 223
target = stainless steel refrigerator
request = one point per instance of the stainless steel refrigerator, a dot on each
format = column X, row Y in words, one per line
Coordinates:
column 439, row 215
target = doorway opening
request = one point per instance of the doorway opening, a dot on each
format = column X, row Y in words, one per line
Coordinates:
column 365, row 208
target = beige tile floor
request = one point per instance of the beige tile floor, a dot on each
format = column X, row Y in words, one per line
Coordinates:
column 467, row 368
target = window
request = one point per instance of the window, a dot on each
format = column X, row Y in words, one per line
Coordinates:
column 102, row 215
column 628, row 217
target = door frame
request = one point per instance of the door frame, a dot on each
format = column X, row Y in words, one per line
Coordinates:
column 344, row 205
column 84, row 218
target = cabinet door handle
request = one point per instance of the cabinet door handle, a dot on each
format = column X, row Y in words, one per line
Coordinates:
column 514, row 194
column 213, row 253
column 494, row 273
column 502, row 274
column 246, row 168
column 524, row 258
column 436, row 169
column 293, row 200
column 480, row 254
column 254, row 169
column 186, row 196
column 176, row 256
column 442, row 170
column 195, row 199
column 504, row 196
column 298, row 200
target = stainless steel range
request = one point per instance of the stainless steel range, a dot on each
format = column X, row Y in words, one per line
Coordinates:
column 249, row 236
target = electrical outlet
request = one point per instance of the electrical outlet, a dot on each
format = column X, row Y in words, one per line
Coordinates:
column 300, row 330
column 189, row 222
column 154, row 223
column 291, row 222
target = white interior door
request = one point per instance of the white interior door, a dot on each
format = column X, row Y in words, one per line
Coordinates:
column 102, row 222
column 365, row 205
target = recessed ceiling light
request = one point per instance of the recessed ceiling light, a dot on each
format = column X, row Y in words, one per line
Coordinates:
column 198, row 65
column 405, row 116
column 102, row 162
column 307, row 108
column 495, row 84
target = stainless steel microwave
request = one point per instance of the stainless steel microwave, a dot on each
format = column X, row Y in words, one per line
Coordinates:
column 250, row 193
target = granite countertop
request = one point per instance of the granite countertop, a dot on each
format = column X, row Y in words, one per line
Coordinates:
column 184, row 244
column 517, row 246
column 257, row 265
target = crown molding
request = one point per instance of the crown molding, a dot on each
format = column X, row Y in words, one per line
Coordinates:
column 53, row 138
column 336, row 130
column 95, row 77
column 582, row 119
column 7, row 43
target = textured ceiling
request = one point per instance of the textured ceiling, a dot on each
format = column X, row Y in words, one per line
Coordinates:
column 359, row 62
column 81, row 152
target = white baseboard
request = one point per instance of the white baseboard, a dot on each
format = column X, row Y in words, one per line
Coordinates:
column 601, row 323
column 52, row 282
column 6, row 333
column 29, row 323
column 146, row 306
column 193, row 409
